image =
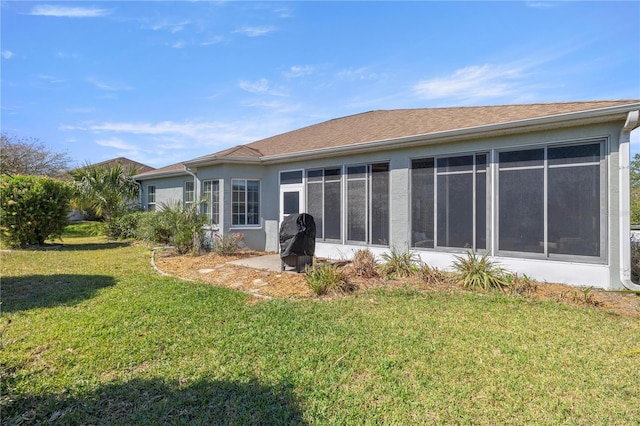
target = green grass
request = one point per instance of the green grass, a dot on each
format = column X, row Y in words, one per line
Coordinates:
column 91, row 335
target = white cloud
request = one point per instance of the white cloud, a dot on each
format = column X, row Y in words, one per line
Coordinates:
column 298, row 71
column 108, row 85
column 362, row 73
column 7, row 54
column 172, row 27
column 260, row 86
column 179, row 44
column 540, row 4
column 68, row 12
column 473, row 82
column 49, row 79
column 255, row 31
column 117, row 144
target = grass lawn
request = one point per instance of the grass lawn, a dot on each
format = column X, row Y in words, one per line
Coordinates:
column 92, row 335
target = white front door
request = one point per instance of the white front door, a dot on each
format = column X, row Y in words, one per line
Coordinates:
column 291, row 200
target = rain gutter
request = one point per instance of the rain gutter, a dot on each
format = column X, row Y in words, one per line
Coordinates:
column 633, row 121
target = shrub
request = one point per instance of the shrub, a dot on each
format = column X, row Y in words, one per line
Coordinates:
column 399, row 264
column 635, row 262
column 364, row 264
column 32, row 209
column 152, row 229
column 227, row 244
column 430, row 275
column 174, row 224
column 124, row 225
column 324, row 277
column 478, row 272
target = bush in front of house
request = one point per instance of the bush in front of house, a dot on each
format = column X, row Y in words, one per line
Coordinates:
column 364, row 264
column 174, row 224
column 227, row 244
column 324, row 278
column 398, row 264
column 124, row 225
column 32, row 209
column 480, row 273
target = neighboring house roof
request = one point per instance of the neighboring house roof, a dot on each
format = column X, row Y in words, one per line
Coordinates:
column 125, row 162
column 385, row 129
column 170, row 170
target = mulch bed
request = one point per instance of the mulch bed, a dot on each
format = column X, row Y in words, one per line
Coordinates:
column 214, row 269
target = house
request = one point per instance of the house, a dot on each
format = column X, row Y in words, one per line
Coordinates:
column 543, row 188
column 76, row 215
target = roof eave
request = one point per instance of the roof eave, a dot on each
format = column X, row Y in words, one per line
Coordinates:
column 212, row 161
column 160, row 175
column 618, row 113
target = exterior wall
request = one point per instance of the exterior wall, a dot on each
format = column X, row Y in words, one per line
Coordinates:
column 602, row 273
column 168, row 190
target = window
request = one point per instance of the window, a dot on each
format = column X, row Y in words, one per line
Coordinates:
column 550, row 200
column 324, row 202
column 368, row 203
column 151, row 197
column 211, row 201
column 449, row 202
column 287, row 178
column 245, row 202
column 189, row 193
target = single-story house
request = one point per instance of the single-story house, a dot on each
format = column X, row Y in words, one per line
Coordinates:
column 543, row 188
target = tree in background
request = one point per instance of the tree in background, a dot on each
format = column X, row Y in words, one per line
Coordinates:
column 32, row 209
column 107, row 190
column 30, row 157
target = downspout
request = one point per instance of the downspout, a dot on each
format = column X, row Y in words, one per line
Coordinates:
column 633, row 119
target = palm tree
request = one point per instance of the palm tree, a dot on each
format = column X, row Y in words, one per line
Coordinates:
column 105, row 189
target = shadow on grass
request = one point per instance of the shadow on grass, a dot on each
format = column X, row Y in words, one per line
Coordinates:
column 46, row 291
column 152, row 402
column 94, row 246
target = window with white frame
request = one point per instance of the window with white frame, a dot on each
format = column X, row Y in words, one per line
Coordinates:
column 449, row 202
column 368, row 203
column 189, row 193
column 324, row 202
column 211, row 201
column 550, row 200
column 245, row 202
column 151, row 197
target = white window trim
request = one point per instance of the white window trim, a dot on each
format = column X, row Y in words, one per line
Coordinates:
column 247, row 226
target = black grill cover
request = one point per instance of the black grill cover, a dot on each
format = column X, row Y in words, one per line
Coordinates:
column 298, row 235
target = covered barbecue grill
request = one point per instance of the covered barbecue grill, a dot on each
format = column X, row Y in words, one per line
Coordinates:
column 297, row 241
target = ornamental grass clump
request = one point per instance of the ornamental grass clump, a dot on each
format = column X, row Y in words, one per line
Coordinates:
column 364, row 264
column 480, row 273
column 324, row 278
column 399, row 264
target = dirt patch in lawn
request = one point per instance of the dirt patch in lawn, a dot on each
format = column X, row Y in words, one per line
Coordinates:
column 214, row 269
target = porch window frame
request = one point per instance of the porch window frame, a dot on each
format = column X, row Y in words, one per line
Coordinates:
column 368, row 202
column 322, row 182
column 437, row 175
column 602, row 200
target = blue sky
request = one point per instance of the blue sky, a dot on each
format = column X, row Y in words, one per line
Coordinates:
column 162, row 82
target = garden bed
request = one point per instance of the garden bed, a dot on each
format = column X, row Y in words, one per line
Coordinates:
column 212, row 268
